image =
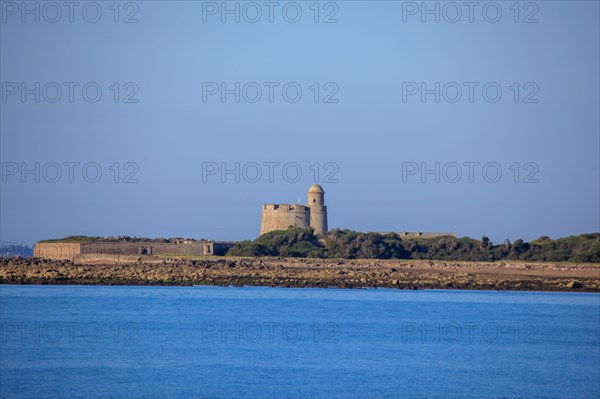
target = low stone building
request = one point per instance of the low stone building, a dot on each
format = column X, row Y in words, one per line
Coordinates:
column 116, row 250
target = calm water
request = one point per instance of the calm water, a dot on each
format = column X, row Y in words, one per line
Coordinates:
column 183, row 342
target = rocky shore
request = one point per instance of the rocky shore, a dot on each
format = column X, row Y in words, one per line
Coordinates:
column 294, row 272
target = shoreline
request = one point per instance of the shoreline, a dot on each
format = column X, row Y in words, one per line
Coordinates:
column 308, row 273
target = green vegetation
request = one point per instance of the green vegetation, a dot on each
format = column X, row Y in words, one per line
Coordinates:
column 299, row 243
column 347, row 244
column 354, row 245
column 76, row 239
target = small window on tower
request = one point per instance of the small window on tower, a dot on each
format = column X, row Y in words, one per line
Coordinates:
column 314, row 200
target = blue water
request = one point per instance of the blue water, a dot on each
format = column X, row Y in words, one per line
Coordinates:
column 184, row 342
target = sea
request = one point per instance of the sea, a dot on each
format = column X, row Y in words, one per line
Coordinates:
column 65, row 341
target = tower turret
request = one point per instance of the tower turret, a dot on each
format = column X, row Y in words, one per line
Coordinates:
column 318, row 210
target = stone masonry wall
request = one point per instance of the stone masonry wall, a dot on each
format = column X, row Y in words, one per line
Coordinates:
column 57, row 250
column 119, row 250
column 282, row 216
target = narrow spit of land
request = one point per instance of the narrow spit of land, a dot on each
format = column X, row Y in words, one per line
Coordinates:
column 295, row 272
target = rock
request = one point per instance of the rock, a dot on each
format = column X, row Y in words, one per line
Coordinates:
column 574, row 284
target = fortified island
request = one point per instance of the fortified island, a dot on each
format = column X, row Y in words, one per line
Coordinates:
column 274, row 217
column 90, row 260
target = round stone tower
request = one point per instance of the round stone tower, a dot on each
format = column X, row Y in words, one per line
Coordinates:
column 318, row 210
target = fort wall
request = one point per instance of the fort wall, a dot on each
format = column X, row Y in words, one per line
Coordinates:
column 284, row 216
column 124, row 250
column 58, row 251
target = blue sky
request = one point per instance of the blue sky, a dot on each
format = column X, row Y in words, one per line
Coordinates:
column 161, row 124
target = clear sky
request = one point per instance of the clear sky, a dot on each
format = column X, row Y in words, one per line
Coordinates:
column 370, row 124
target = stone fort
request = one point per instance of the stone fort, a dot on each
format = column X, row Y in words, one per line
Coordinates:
column 314, row 214
column 285, row 216
column 274, row 217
